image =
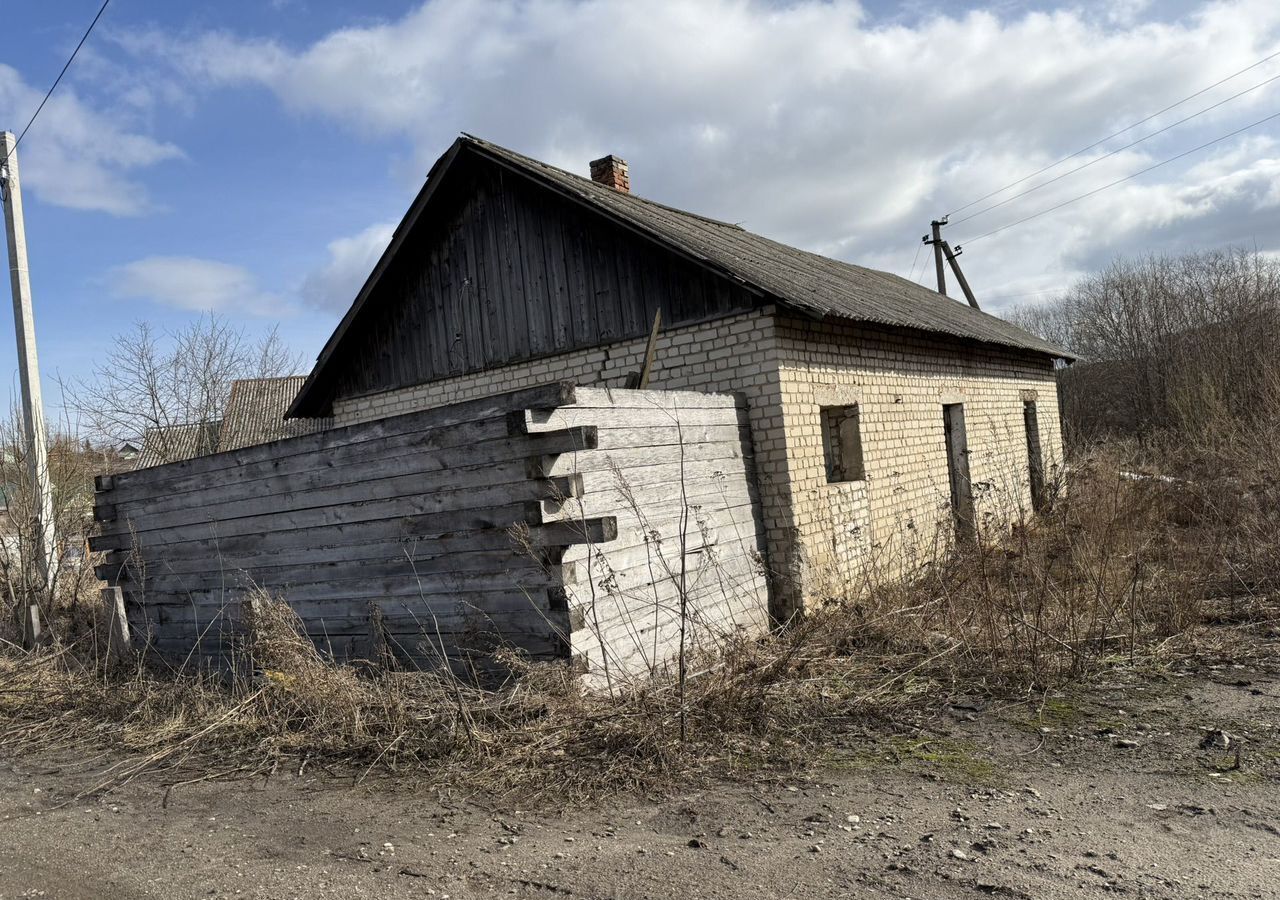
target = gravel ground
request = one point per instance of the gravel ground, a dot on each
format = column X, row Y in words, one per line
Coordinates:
column 1087, row 794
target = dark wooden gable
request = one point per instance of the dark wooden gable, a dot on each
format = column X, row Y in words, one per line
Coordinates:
column 500, row 269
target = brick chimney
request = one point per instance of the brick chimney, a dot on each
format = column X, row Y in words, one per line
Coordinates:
column 611, row 172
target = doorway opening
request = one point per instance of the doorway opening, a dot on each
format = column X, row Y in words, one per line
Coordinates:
column 1035, row 457
column 958, row 472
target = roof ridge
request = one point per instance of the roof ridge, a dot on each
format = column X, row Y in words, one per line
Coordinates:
column 622, row 195
column 811, row 281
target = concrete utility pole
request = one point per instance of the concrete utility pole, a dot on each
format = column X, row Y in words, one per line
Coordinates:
column 955, row 267
column 937, row 254
column 942, row 250
column 36, row 558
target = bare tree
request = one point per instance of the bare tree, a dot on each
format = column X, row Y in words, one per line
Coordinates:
column 153, row 380
column 1166, row 343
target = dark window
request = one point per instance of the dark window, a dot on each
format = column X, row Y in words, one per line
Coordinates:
column 842, row 443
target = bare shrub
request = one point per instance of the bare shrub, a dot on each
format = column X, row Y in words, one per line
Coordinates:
column 1165, row 343
column 66, row 603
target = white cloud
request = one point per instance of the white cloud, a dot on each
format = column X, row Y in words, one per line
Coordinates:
column 76, row 156
column 811, row 122
column 334, row 285
column 191, row 283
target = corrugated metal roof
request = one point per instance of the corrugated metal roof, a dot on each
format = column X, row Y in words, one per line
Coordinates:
column 812, row 283
column 174, row 443
column 255, row 413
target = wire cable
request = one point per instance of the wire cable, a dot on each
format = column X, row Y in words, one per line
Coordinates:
column 1108, row 155
column 1143, row 121
column 911, row 276
column 1112, row 184
column 49, row 93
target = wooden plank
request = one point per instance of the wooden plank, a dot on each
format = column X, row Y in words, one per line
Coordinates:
column 657, row 514
column 427, row 519
column 425, row 555
column 528, row 221
column 465, row 460
column 343, row 641
column 414, row 445
column 476, row 326
column 517, row 301
column 510, row 596
column 637, row 458
column 539, row 535
column 171, row 622
column 472, row 493
column 585, row 329
column 631, row 417
column 496, row 406
column 637, row 479
column 636, row 570
column 706, row 495
column 663, row 436
column 303, row 548
column 370, row 470
column 444, row 610
column 558, row 300
column 621, row 629
column 506, row 344
column 374, row 575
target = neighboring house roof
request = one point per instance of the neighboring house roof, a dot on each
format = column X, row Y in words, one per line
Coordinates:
column 804, row 281
column 255, row 413
column 173, row 443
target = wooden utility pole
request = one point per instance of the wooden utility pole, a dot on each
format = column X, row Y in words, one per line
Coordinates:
column 937, row 254
column 36, row 557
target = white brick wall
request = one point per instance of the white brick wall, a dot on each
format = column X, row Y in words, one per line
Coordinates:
column 820, row 536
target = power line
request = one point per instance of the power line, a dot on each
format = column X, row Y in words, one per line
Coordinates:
column 1108, row 155
column 912, row 274
column 52, row 87
column 1114, row 134
column 1112, row 184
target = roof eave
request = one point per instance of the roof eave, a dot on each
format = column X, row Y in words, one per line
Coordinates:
column 303, row 405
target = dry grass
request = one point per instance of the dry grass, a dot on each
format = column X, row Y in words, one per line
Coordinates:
column 1122, row 572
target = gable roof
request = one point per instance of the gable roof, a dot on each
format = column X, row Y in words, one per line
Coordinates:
column 797, row 279
column 255, row 412
column 254, row 415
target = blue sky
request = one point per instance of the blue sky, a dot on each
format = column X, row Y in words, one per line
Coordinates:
column 252, row 157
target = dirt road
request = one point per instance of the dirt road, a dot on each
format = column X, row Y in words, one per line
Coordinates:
column 1078, row 795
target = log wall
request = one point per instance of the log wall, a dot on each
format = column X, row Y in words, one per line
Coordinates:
column 436, row 534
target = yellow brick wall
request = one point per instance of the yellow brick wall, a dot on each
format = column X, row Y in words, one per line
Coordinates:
column 820, row 536
column 899, row 516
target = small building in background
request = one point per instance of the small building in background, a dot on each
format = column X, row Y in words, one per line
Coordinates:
column 254, row 414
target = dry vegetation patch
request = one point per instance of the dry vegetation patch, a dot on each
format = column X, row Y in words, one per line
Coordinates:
column 1133, row 572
